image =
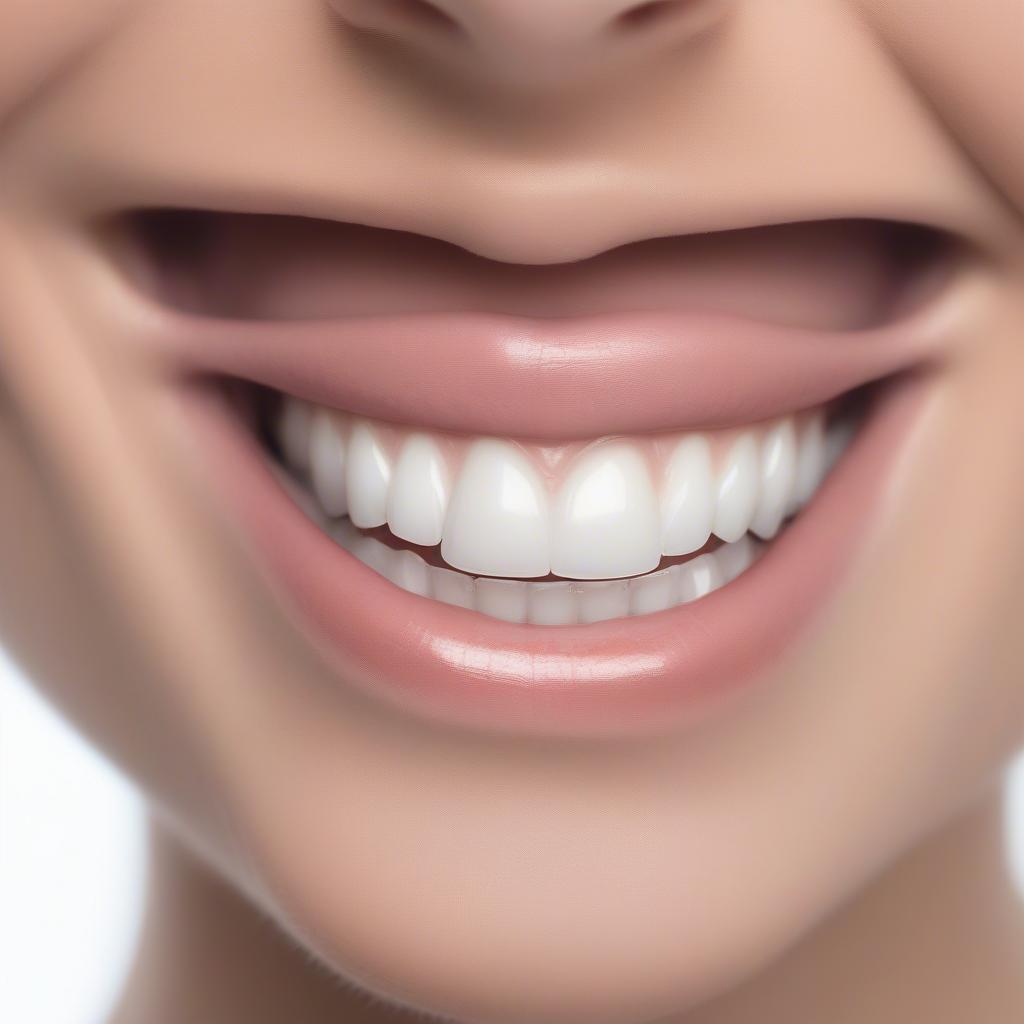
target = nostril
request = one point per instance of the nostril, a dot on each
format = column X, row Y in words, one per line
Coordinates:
column 397, row 17
column 649, row 13
column 424, row 14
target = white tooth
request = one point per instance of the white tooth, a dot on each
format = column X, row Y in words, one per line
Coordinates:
column 688, row 499
column 810, row 462
column 327, row 464
column 737, row 489
column 409, row 572
column 294, row 424
column 497, row 522
column 652, row 593
column 367, row 477
column 502, row 599
column 597, row 602
column 605, row 522
column 452, row 587
column 778, row 478
column 698, row 577
column 374, row 554
column 735, row 558
column 419, row 492
column 551, row 604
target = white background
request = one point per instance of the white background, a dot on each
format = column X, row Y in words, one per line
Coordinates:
column 73, row 866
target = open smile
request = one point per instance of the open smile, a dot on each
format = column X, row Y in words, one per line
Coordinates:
column 557, row 518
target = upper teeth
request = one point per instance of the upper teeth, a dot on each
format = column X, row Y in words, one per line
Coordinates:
column 606, row 510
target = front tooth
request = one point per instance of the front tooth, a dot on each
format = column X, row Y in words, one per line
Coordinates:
column 778, row 477
column 698, row 577
column 598, row 602
column 737, row 489
column 810, row 463
column 367, row 477
column 497, row 521
column 294, row 426
column 552, row 604
column 327, row 464
column 652, row 593
column 418, row 498
column 606, row 521
column 688, row 502
column 502, row 599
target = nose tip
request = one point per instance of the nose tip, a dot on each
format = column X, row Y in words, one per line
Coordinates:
column 533, row 42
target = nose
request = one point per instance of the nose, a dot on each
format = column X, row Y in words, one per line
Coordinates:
column 531, row 43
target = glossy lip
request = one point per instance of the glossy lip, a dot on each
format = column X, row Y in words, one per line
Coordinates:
column 565, row 378
column 615, row 678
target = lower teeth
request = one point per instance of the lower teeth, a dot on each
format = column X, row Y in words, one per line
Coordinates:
column 558, row 602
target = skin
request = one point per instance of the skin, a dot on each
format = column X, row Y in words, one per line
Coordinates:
column 815, row 854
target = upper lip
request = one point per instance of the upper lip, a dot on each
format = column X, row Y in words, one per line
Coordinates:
column 547, row 378
column 566, row 378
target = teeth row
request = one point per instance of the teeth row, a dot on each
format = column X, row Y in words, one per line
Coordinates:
column 614, row 510
column 558, row 603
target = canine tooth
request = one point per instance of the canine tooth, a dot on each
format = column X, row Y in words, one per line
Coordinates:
column 735, row 558
column 698, row 577
column 688, row 499
column 418, row 498
column 552, row 604
column 778, row 478
column 597, row 602
column 367, row 477
column 409, row 571
column 327, row 464
column 294, row 424
column 497, row 521
column 502, row 599
column 737, row 489
column 810, row 462
column 452, row 587
column 652, row 593
column 606, row 521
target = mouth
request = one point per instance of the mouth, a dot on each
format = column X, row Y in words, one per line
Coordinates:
column 574, row 498
column 554, row 535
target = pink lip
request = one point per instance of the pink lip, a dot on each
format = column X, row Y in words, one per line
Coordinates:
column 564, row 378
column 616, row 677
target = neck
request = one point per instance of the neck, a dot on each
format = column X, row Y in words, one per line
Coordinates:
column 939, row 938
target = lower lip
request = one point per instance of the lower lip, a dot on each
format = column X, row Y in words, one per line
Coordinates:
column 627, row 676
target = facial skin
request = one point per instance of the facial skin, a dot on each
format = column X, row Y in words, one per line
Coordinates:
column 439, row 867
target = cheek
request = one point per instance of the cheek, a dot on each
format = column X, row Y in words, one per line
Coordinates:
column 964, row 56
column 41, row 38
column 73, row 643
